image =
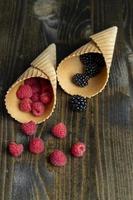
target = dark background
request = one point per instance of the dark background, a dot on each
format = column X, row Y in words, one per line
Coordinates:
column 106, row 172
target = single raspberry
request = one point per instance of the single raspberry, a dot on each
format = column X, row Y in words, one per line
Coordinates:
column 44, row 82
column 15, row 149
column 35, row 97
column 58, row 158
column 36, row 88
column 38, row 108
column 31, row 81
column 45, row 86
column 46, row 98
column 25, row 105
column 36, row 146
column 78, row 149
column 34, row 83
column 24, row 91
column 29, row 128
column 59, row 130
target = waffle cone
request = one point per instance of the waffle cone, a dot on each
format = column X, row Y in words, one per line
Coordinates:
column 102, row 42
column 44, row 67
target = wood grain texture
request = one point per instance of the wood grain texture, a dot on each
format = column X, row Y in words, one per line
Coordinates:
column 106, row 172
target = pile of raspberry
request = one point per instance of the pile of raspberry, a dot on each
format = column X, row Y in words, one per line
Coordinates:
column 36, row 145
column 34, row 95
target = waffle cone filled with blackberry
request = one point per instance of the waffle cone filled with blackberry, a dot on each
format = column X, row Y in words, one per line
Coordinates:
column 85, row 72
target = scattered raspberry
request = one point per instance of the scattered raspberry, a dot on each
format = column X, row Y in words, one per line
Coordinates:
column 38, row 108
column 31, row 81
column 58, row 158
column 24, row 91
column 45, row 98
column 15, row 149
column 29, row 128
column 36, row 146
column 35, row 97
column 59, row 130
column 78, row 149
column 25, row 105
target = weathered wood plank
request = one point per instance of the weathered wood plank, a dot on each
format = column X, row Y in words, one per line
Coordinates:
column 113, row 124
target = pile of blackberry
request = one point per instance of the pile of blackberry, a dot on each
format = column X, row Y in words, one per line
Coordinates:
column 93, row 64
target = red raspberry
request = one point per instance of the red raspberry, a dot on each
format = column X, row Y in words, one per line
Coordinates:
column 36, row 146
column 45, row 98
column 59, row 130
column 31, row 81
column 45, row 86
column 44, row 82
column 35, row 97
column 58, row 158
column 78, row 149
column 24, row 91
column 36, row 88
column 34, row 83
column 29, row 128
column 15, row 149
column 25, row 105
column 38, row 108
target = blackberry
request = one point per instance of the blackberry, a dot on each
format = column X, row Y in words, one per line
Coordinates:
column 80, row 80
column 87, row 59
column 93, row 63
column 99, row 60
column 92, row 70
column 78, row 103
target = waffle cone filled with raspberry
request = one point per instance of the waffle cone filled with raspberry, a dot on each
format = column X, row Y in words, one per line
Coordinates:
column 42, row 70
column 101, row 43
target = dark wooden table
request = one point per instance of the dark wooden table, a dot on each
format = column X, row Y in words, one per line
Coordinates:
column 106, row 172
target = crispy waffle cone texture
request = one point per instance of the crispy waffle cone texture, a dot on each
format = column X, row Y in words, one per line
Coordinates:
column 44, row 67
column 102, row 42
